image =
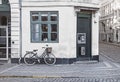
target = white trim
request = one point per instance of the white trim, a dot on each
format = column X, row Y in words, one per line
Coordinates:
column 7, row 43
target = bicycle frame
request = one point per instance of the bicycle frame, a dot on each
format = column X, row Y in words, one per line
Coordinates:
column 31, row 57
column 41, row 56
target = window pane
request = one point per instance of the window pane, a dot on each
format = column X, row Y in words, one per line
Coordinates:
column 9, row 41
column 53, row 27
column 2, row 52
column 53, row 36
column 44, row 37
column 4, row 20
column 35, row 28
column 44, row 28
column 35, row 16
column 44, row 17
column 53, row 17
column 9, row 52
column 35, row 37
column 3, row 41
column 2, row 31
column 9, row 31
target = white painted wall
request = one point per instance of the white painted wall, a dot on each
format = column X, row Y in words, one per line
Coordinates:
column 57, row 3
column 66, row 48
column 78, row 1
column 95, row 33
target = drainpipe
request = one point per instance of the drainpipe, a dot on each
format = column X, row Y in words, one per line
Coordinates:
column 20, row 8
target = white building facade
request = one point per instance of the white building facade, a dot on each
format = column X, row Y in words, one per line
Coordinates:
column 110, row 21
column 70, row 27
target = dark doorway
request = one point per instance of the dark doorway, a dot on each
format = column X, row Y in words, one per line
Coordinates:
column 5, row 30
column 83, row 35
column 4, row 21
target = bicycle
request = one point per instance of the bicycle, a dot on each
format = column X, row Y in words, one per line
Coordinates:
column 31, row 57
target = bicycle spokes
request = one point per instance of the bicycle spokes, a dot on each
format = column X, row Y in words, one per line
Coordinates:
column 30, row 59
column 49, row 59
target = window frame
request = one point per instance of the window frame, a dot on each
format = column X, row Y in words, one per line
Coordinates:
column 49, row 23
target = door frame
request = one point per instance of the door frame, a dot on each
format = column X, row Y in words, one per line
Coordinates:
column 5, row 10
column 89, row 12
column 6, row 27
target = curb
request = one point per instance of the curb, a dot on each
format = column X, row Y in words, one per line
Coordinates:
column 40, row 77
column 30, row 76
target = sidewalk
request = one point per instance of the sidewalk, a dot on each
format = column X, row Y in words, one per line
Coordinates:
column 5, row 66
column 103, row 71
column 99, row 69
column 111, row 43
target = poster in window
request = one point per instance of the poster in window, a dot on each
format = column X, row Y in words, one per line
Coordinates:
column 81, row 38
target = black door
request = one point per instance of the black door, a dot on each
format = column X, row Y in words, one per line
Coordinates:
column 83, row 35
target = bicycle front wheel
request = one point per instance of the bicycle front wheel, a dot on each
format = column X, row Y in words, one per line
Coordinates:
column 49, row 59
column 29, row 59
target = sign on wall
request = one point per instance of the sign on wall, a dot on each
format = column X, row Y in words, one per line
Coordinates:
column 81, row 38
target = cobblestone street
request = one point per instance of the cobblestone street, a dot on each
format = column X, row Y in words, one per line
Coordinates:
column 112, row 52
column 107, row 70
column 60, row 80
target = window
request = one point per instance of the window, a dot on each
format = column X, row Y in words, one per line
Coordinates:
column 5, row 1
column 35, row 16
column 3, row 20
column 44, row 27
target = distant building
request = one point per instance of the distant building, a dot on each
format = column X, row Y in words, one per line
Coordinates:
column 110, row 21
column 70, row 27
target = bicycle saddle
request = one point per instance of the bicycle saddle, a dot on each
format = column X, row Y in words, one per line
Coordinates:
column 35, row 50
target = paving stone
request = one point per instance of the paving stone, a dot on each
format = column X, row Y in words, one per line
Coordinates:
column 110, row 51
column 104, row 71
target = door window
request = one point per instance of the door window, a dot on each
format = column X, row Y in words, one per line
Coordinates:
column 4, row 20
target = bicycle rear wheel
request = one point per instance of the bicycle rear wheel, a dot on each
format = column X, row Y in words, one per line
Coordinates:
column 29, row 59
column 49, row 59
